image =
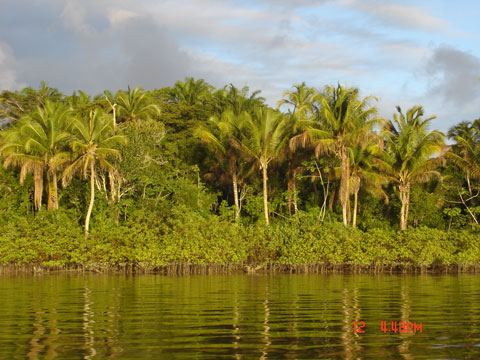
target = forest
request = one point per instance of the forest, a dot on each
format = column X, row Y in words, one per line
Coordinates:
column 197, row 175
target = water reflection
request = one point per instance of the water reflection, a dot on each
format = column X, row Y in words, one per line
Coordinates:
column 404, row 347
column 113, row 347
column 238, row 316
column 236, row 328
column 351, row 313
column 266, row 328
column 88, row 325
column 38, row 331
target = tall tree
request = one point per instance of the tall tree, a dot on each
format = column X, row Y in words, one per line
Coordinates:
column 79, row 98
column 15, row 105
column 301, row 101
column 135, row 104
column 364, row 171
column 239, row 100
column 412, row 153
column 264, row 138
column 466, row 151
column 93, row 146
column 43, row 94
column 112, row 104
column 13, row 150
column 190, row 91
column 343, row 119
column 38, row 145
column 220, row 135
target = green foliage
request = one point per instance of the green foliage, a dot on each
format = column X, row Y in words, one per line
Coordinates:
column 424, row 208
column 166, row 195
column 143, row 164
column 135, row 104
column 185, row 237
column 253, row 207
column 413, row 154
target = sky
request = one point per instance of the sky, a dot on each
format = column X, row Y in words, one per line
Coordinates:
column 405, row 52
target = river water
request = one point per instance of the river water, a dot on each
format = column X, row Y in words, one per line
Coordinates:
column 240, row 317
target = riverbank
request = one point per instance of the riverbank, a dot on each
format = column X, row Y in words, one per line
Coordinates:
column 215, row 269
column 189, row 245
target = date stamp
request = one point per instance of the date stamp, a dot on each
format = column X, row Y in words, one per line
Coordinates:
column 401, row 327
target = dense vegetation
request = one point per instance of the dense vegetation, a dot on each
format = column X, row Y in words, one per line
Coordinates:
column 199, row 175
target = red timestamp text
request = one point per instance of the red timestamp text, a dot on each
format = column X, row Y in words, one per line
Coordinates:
column 402, row 327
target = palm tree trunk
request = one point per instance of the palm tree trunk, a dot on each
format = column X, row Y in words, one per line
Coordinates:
column 52, row 191
column 294, row 189
column 38, row 188
column 407, row 206
column 355, row 204
column 235, row 195
column 402, row 214
column 345, row 214
column 332, row 199
column 349, row 210
column 405, row 199
column 92, row 198
column 289, row 195
column 265, row 192
column 113, row 192
column 114, row 107
column 344, row 185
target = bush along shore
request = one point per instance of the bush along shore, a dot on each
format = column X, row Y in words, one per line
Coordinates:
column 197, row 179
column 192, row 244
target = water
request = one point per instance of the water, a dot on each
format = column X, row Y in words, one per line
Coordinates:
column 238, row 317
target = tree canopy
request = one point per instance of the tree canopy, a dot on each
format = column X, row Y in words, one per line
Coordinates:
column 225, row 152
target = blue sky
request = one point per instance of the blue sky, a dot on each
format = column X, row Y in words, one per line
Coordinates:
column 404, row 52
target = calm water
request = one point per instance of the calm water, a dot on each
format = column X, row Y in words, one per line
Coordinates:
column 238, row 317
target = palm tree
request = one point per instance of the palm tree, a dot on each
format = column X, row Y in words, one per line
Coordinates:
column 409, row 156
column 466, row 151
column 81, row 103
column 191, row 91
column 15, row 156
column 42, row 95
column 301, row 98
column 235, row 99
column 133, row 105
column 364, row 170
column 343, row 120
column 38, row 145
column 233, row 104
column 112, row 103
column 264, row 138
column 238, row 100
column 15, row 105
column 93, row 146
column 220, row 135
column 302, row 101
column 80, row 98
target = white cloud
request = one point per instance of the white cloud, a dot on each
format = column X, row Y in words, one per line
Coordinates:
column 73, row 17
column 8, row 75
column 404, row 16
column 117, row 16
column 265, row 44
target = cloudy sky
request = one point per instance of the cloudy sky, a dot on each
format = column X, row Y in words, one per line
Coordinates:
column 405, row 52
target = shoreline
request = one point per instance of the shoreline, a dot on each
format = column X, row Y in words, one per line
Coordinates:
column 231, row 269
column 215, row 246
